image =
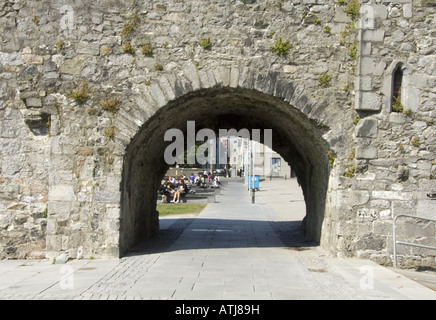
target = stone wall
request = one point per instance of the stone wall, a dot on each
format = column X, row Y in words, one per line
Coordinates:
column 394, row 159
column 78, row 84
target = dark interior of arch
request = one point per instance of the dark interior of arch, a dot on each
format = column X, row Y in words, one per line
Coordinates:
column 297, row 139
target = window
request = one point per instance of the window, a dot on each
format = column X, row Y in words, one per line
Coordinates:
column 396, row 90
column 275, row 165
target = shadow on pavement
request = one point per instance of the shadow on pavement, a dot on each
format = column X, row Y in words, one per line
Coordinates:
column 202, row 233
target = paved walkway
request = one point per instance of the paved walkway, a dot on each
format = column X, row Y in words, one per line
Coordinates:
column 233, row 250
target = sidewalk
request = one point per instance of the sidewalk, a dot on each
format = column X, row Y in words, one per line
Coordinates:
column 273, row 193
column 233, row 250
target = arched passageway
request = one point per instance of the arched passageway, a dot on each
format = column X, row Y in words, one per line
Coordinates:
column 294, row 136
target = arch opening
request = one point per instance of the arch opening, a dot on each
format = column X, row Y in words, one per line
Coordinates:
column 295, row 137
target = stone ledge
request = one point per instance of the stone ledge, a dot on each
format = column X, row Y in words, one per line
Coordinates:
column 366, row 153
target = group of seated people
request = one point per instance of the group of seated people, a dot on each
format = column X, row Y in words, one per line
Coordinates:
column 205, row 179
column 173, row 187
column 179, row 187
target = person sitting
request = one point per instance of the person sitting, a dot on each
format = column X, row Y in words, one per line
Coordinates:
column 202, row 183
column 180, row 191
column 197, row 180
column 163, row 191
column 215, row 183
column 173, row 181
column 189, row 186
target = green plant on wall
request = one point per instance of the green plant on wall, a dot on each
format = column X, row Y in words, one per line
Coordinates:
column 60, row 45
column 109, row 104
column 147, row 49
column 415, row 141
column 352, row 51
column 127, row 30
column 204, row 43
column 349, row 172
column 352, row 9
column 408, row 112
column 81, row 93
column 396, row 105
column 331, row 158
column 127, row 48
column 324, row 80
column 109, row 132
column 280, row 47
column 128, row 27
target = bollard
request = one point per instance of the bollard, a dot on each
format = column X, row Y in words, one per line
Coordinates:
column 253, row 196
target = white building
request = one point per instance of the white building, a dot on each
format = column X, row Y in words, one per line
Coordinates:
column 267, row 162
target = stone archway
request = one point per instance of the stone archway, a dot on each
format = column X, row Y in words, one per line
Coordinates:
column 297, row 138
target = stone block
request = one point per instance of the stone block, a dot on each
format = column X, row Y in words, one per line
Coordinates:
column 73, row 66
column 416, row 81
column 364, row 83
column 396, row 117
column 379, row 68
column 211, row 77
column 358, row 197
column 380, row 11
column 113, row 212
column 33, row 102
column 407, row 10
column 157, row 94
column 190, row 71
column 407, row 1
column 428, row 3
column 385, row 214
column 373, row 35
column 61, row 193
column 107, row 197
column 290, row 69
column 410, row 98
column 367, row 65
column 61, row 259
column 426, row 208
column 397, row 36
column 370, row 101
column 234, row 77
column 33, row 59
column 427, row 185
column 367, row 128
column 366, row 152
column 167, row 87
column 223, row 74
column 367, row 17
column 341, row 17
column 59, row 210
column 392, row 195
column 204, row 79
column 84, row 151
column 54, row 242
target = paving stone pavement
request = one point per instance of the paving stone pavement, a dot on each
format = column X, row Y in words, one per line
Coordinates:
column 233, row 250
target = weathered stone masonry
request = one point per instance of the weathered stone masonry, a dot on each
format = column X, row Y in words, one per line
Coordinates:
column 87, row 90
